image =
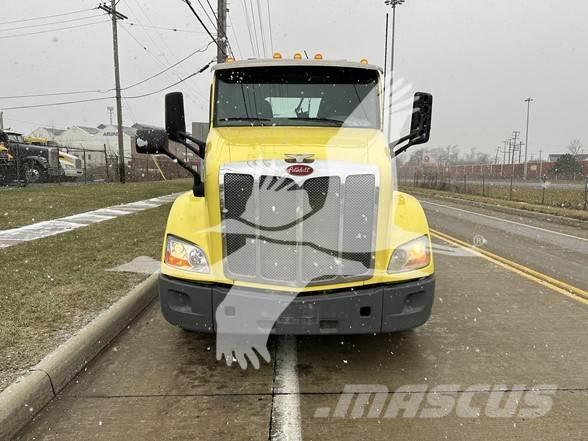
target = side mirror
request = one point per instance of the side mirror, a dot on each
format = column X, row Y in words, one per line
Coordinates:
column 151, row 141
column 422, row 113
column 175, row 119
column 420, row 126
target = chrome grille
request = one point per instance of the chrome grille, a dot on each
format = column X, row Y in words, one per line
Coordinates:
column 298, row 230
column 53, row 158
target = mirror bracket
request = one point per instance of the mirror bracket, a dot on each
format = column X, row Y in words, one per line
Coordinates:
column 198, row 186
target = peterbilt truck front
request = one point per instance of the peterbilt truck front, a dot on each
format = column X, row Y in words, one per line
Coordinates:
column 294, row 224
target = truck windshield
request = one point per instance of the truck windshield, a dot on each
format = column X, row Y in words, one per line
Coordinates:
column 13, row 137
column 297, row 96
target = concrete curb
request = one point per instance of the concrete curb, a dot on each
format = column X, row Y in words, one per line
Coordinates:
column 22, row 400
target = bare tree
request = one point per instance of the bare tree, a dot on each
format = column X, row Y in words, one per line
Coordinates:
column 575, row 147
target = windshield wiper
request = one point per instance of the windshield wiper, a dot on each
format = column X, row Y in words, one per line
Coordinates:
column 245, row 118
column 329, row 120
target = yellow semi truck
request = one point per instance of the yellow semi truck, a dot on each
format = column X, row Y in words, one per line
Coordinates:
column 295, row 204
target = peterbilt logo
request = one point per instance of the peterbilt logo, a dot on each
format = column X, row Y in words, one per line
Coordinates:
column 300, row 170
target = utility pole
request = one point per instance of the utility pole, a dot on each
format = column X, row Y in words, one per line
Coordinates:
column 119, row 119
column 528, row 101
column 541, row 164
column 221, row 34
column 1, row 120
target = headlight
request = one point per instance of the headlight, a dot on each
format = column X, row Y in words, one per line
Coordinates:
column 410, row 256
column 186, row 256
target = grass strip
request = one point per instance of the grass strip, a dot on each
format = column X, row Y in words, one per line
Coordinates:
column 54, row 286
column 36, row 203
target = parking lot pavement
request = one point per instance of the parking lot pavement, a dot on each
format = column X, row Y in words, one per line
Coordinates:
column 491, row 328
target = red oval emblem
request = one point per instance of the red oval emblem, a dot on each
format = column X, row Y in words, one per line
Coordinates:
column 300, row 170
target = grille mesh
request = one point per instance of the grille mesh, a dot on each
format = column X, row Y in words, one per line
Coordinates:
column 317, row 231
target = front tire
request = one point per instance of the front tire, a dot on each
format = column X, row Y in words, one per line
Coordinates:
column 34, row 173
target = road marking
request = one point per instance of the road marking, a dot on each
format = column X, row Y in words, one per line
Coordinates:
column 62, row 225
column 285, row 420
column 507, row 221
column 556, row 285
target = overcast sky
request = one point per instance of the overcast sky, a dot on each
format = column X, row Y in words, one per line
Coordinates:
column 479, row 58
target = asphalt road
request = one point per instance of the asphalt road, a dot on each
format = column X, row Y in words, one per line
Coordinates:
column 491, row 330
column 556, row 250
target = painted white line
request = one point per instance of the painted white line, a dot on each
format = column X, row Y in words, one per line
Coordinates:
column 80, row 220
column 286, row 425
column 507, row 221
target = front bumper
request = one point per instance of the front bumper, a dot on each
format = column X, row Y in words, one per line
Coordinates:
column 361, row 310
column 72, row 172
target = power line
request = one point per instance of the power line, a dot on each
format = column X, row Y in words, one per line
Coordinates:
column 248, row 24
column 213, row 22
column 53, row 30
column 139, row 25
column 203, row 49
column 89, row 100
column 47, row 16
column 144, row 47
column 203, row 25
column 168, row 68
column 261, row 27
column 254, row 27
column 37, row 95
column 269, row 18
column 166, row 49
column 212, row 10
column 50, row 23
column 202, row 69
column 235, row 35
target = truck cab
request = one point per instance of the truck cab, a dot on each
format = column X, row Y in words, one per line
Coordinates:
column 70, row 166
column 294, row 204
column 35, row 164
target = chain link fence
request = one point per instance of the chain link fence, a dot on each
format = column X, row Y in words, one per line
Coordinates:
column 85, row 166
column 572, row 194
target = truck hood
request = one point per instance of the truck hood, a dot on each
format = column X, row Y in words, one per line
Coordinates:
column 237, row 144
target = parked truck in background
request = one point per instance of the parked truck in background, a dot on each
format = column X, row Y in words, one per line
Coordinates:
column 296, row 195
column 31, row 163
column 70, row 166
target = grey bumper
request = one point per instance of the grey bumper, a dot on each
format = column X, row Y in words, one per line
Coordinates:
column 363, row 310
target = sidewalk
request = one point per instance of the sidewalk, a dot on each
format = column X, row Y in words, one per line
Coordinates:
column 43, row 229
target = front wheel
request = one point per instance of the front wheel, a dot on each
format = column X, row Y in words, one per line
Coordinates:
column 34, row 173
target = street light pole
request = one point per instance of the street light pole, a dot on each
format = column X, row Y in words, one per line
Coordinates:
column 528, row 101
column 392, row 3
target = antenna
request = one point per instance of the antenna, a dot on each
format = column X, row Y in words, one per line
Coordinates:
column 110, row 113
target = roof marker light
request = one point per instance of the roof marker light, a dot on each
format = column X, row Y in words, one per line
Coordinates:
column 363, row 61
column 277, row 56
column 318, row 56
column 230, row 59
column 297, row 56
